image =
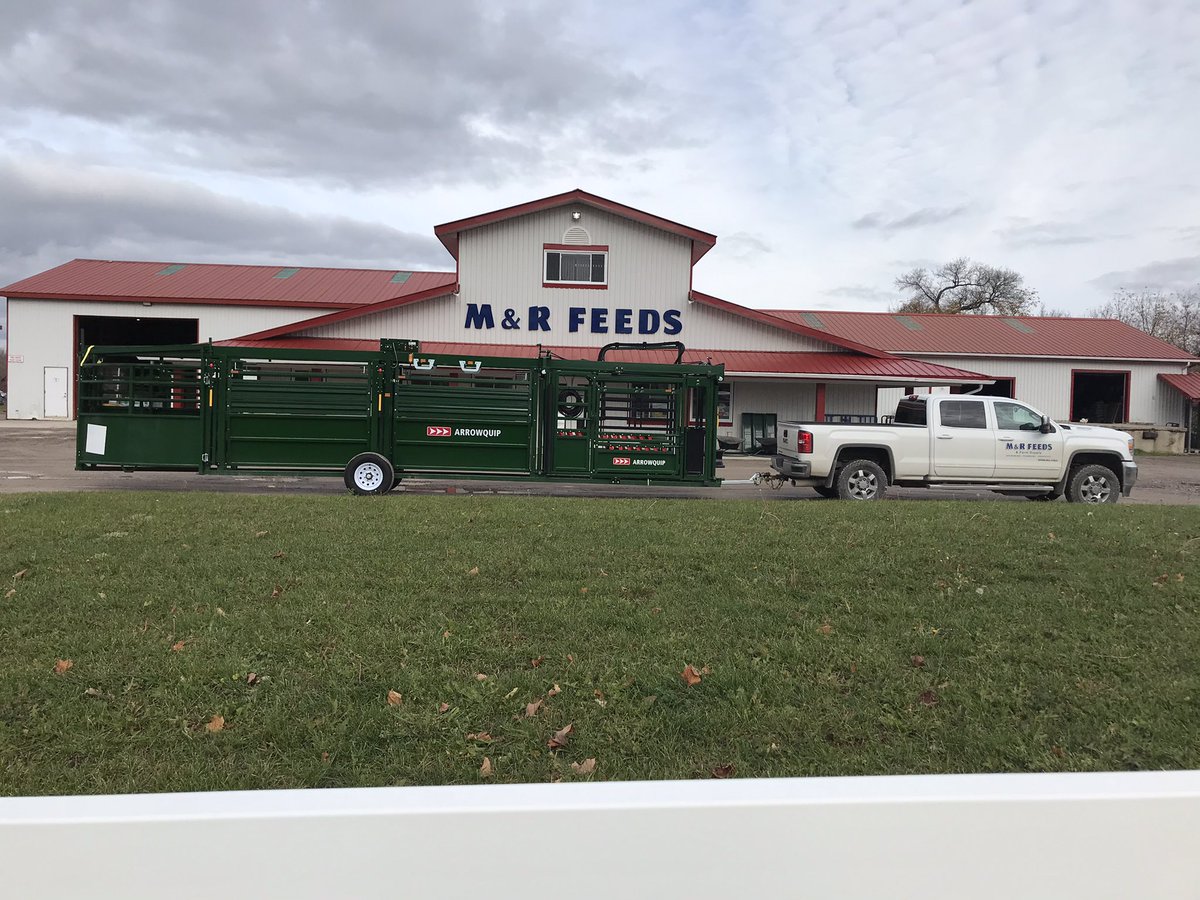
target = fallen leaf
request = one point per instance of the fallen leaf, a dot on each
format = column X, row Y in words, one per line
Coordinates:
column 511, row 694
column 252, row 679
column 918, row 660
column 531, row 709
column 1052, row 535
column 706, row 671
column 826, row 629
column 479, row 676
column 62, row 665
column 725, row 771
column 481, row 736
column 485, row 770
column 96, row 692
column 10, row 593
column 554, row 691
column 220, row 612
column 929, row 698
column 587, row 767
column 583, row 590
column 177, row 646
column 474, row 570
column 324, row 756
column 444, row 707
column 649, row 701
column 602, row 701
column 260, row 534
column 656, row 609
column 561, row 737
column 536, row 662
column 278, row 554
column 394, row 698
column 690, row 676
column 445, row 634
column 602, row 572
column 216, row 723
column 20, row 575
column 277, row 590
column 1058, row 751
column 570, row 658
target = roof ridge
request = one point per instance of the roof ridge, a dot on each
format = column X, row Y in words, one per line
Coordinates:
column 156, row 262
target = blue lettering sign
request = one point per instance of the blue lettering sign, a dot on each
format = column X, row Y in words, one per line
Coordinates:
column 479, row 316
column 671, row 322
column 539, row 318
column 599, row 320
column 648, row 321
column 624, row 323
column 576, row 315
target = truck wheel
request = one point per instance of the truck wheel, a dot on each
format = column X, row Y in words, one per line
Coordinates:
column 1093, row 484
column 861, row 479
column 370, row 473
column 827, row 492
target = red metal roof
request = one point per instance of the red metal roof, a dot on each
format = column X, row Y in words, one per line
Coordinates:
column 319, row 288
column 351, row 313
column 1188, row 385
column 947, row 333
column 448, row 233
column 749, row 362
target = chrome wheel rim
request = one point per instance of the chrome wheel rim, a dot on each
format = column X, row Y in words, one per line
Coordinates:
column 862, row 485
column 1095, row 489
column 368, row 476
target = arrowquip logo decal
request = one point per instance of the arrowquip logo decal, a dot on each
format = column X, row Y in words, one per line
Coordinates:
column 622, row 461
column 649, row 462
column 477, row 432
column 437, row 431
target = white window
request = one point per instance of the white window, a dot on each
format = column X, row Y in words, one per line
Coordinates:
column 573, row 267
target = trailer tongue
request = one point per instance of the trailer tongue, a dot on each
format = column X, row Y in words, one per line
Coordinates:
column 379, row 415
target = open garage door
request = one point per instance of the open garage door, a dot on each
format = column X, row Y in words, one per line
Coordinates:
column 1099, row 396
column 94, row 331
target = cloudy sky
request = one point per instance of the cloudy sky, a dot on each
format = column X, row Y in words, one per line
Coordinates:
column 829, row 145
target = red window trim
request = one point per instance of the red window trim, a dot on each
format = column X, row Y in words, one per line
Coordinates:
column 1128, row 373
column 573, row 286
column 582, row 248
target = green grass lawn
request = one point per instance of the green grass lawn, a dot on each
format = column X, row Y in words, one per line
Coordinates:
column 1053, row 637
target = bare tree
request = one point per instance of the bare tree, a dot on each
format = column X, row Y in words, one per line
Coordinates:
column 963, row 286
column 1173, row 316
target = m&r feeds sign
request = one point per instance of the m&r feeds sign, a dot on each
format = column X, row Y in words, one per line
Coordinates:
column 593, row 320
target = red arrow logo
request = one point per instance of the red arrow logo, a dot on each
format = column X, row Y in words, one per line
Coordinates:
column 437, row 431
column 622, row 461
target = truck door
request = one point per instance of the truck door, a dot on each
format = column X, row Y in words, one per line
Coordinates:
column 964, row 446
column 1022, row 451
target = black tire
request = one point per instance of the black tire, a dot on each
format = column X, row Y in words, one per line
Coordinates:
column 861, row 479
column 828, row 493
column 1044, row 498
column 370, row 473
column 1093, row 484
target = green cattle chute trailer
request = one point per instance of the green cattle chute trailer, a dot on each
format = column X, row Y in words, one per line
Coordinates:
column 380, row 415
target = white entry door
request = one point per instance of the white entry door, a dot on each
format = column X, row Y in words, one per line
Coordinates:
column 55, row 393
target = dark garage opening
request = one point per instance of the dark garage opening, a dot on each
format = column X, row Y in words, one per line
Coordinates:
column 95, row 331
column 1100, row 396
column 99, row 330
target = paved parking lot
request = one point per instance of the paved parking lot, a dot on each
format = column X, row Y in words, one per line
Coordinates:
column 40, row 456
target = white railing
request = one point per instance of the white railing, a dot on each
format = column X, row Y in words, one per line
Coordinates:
column 1120, row 835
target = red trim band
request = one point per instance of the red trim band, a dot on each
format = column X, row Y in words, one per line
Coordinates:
column 582, row 248
column 574, row 287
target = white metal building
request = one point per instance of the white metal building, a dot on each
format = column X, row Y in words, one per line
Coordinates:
column 573, row 272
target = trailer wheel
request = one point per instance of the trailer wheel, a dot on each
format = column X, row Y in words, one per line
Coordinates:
column 370, row 473
column 861, row 479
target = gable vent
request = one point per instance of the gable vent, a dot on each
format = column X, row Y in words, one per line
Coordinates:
column 576, row 234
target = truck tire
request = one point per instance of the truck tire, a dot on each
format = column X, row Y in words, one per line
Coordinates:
column 370, row 473
column 1093, row 484
column 861, row 479
column 827, row 492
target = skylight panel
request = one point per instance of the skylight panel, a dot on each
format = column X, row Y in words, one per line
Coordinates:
column 401, row 277
column 813, row 320
column 1018, row 325
column 286, row 273
column 908, row 322
column 171, row 269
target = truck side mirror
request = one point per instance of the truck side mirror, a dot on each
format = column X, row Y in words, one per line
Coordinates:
column 1046, row 428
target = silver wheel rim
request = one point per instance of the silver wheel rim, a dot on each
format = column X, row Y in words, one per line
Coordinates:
column 368, row 476
column 1095, row 489
column 862, row 485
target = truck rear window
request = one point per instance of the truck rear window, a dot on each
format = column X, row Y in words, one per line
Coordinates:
column 910, row 412
column 963, row 414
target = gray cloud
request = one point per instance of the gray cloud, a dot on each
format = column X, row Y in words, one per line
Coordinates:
column 1024, row 233
column 343, row 93
column 1161, row 275
column 861, row 292
column 921, row 218
column 108, row 214
column 744, row 246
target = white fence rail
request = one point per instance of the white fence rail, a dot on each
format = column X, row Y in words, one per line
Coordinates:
column 1119, row 835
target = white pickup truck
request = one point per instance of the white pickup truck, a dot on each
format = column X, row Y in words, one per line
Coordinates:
column 951, row 439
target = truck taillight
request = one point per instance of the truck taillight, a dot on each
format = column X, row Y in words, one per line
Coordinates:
column 804, row 442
